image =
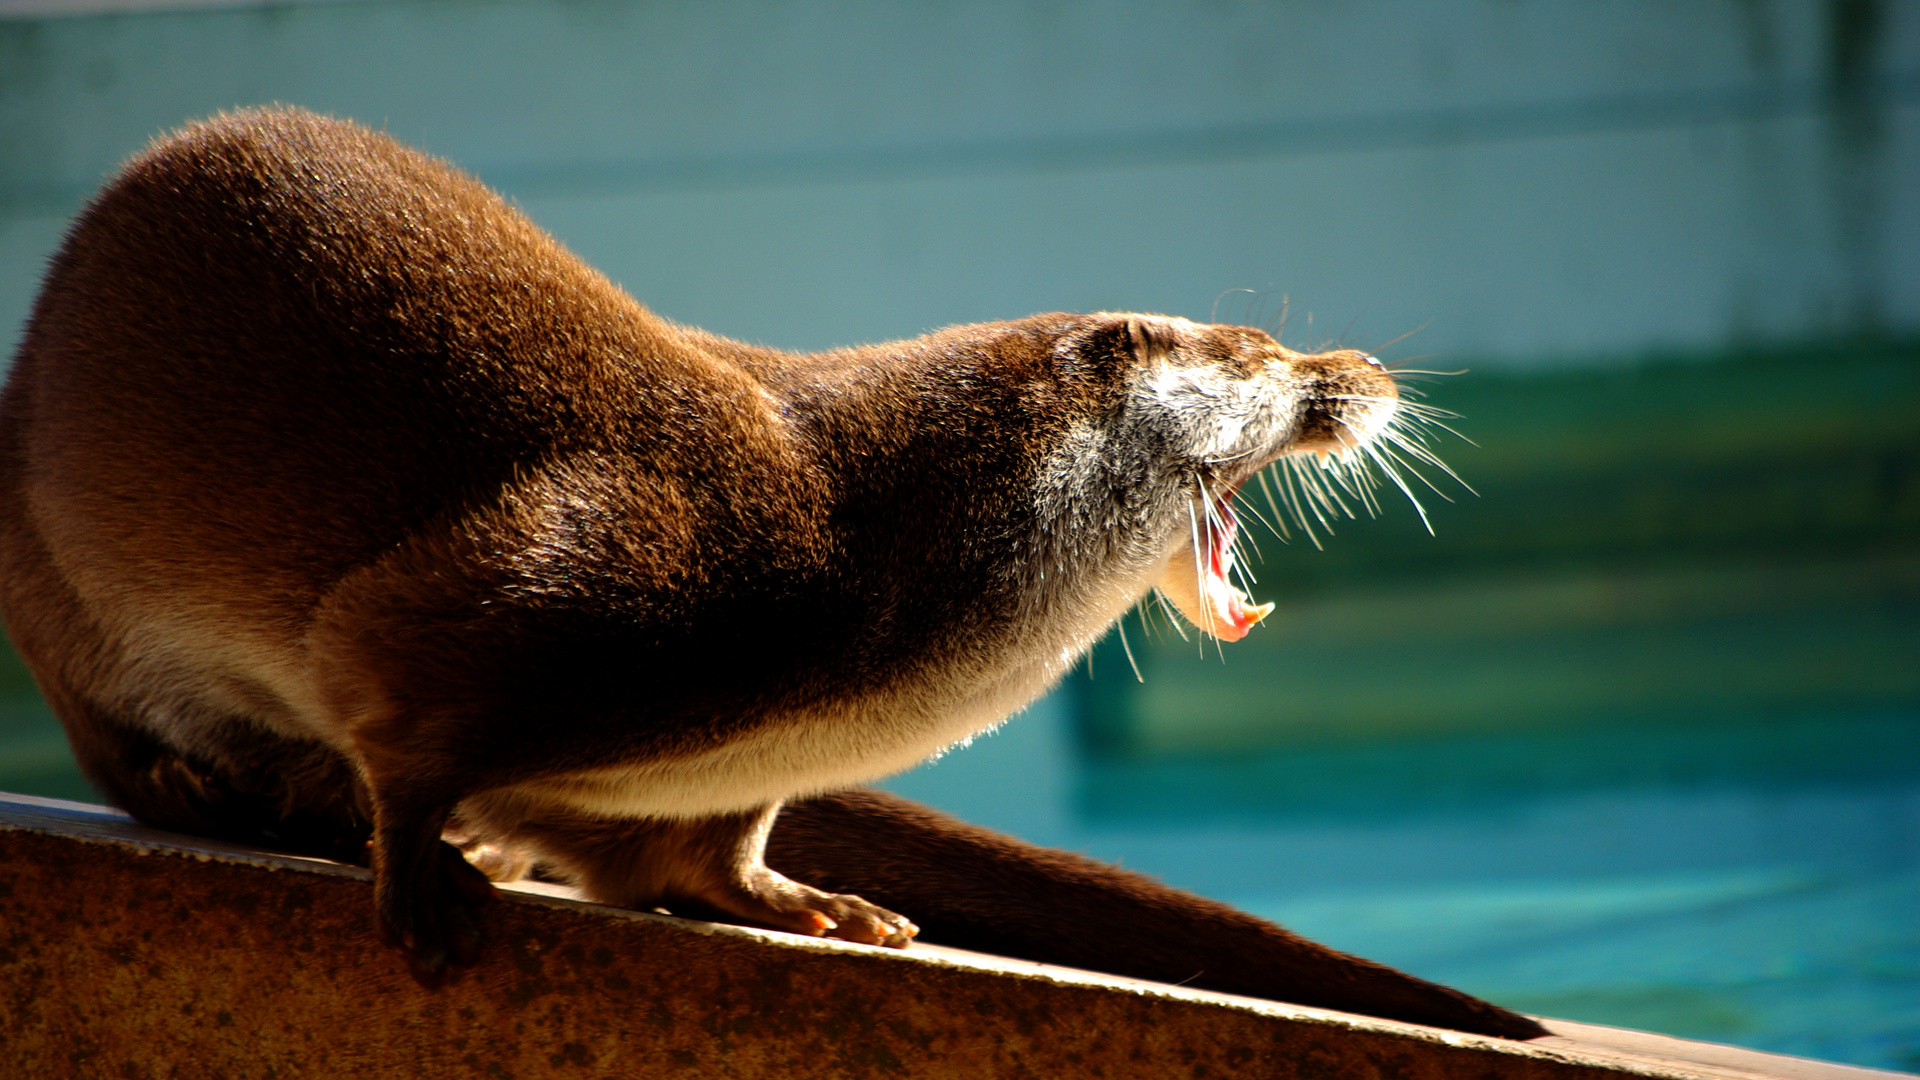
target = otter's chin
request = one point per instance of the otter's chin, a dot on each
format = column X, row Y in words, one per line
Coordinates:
column 1196, row 578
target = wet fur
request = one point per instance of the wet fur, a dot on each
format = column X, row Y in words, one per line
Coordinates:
column 341, row 510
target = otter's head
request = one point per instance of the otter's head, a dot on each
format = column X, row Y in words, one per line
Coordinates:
column 1192, row 414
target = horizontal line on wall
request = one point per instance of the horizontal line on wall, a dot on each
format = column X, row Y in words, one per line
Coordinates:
column 44, row 9
column 1463, row 127
column 1439, row 128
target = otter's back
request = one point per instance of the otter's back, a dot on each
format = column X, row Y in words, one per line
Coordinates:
column 275, row 345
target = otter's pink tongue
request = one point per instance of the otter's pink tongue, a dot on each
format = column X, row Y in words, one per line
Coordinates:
column 1200, row 587
column 1228, row 611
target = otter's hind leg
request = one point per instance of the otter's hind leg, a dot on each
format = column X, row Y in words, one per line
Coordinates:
column 239, row 782
column 261, row 789
column 711, row 867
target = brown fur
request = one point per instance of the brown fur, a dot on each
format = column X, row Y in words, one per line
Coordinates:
column 340, row 503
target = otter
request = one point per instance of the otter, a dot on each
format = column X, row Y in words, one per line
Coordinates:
column 343, row 511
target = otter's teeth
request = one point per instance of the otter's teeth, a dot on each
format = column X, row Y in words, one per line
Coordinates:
column 1229, row 616
column 1231, row 611
column 1203, row 593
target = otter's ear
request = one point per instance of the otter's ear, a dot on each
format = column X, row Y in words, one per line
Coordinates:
column 1152, row 337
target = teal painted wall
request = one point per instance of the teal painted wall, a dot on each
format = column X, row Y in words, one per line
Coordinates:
column 1517, row 181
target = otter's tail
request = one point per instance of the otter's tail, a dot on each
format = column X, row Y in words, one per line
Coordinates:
column 977, row 889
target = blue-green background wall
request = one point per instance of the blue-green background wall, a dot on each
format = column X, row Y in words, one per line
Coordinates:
column 1523, row 180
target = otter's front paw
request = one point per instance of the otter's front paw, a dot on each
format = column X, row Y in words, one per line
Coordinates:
column 431, row 910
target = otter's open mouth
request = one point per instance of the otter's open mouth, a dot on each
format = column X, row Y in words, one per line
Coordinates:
column 1198, row 577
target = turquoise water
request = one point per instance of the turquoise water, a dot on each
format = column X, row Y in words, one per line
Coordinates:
column 1764, row 906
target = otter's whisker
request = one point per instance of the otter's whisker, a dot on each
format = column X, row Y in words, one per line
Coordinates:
column 1305, row 493
column 1279, row 522
column 1289, row 490
column 1362, row 481
column 1417, row 440
column 1369, row 487
column 1338, row 468
column 1216, row 522
column 1401, row 338
column 1222, row 296
column 1286, row 315
column 1414, row 422
column 1144, row 611
column 1387, row 467
column 1225, row 460
column 1422, row 454
column 1121, row 628
column 1341, row 479
column 1245, row 536
column 1246, row 505
column 1414, row 408
column 1328, row 468
column 1422, row 409
column 1212, row 522
column 1307, row 489
column 1242, row 566
column 1199, row 569
column 1386, row 457
column 1167, row 612
column 1242, row 536
column 1280, row 480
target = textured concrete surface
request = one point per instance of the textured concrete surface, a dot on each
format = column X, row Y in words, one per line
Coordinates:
column 128, row 952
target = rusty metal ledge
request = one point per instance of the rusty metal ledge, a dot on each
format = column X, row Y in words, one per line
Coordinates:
column 130, row 952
